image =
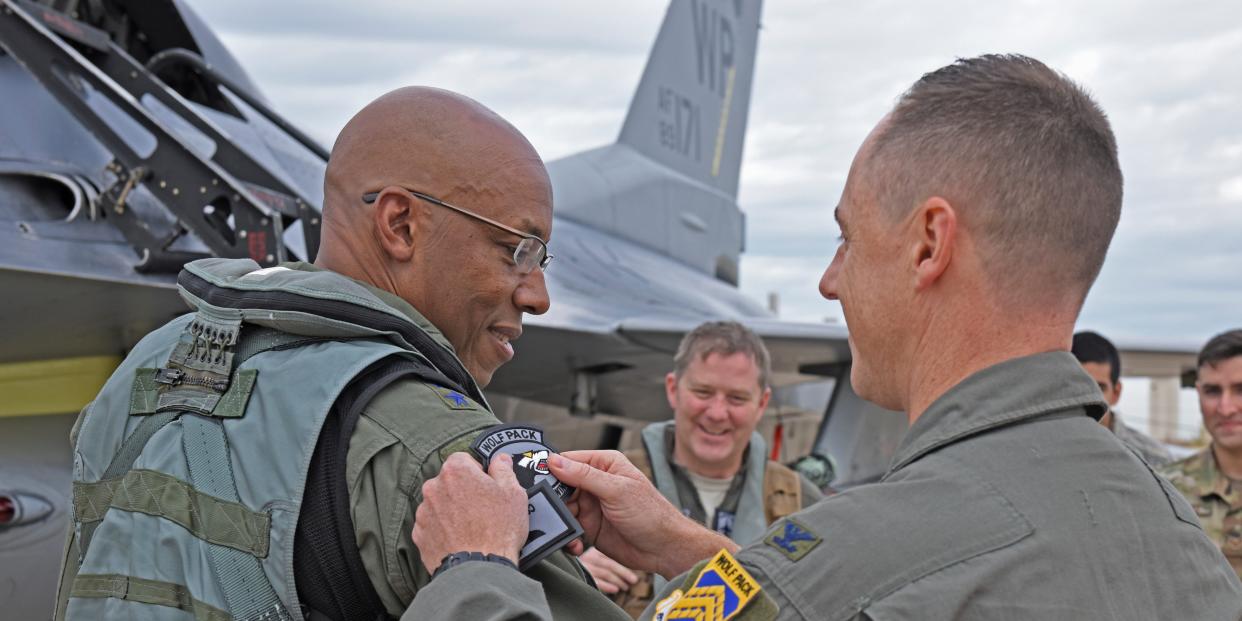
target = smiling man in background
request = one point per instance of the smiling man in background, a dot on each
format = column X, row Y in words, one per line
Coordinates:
column 709, row 461
column 1212, row 478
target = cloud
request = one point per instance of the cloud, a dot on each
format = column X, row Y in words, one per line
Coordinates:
column 1231, row 190
column 1167, row 74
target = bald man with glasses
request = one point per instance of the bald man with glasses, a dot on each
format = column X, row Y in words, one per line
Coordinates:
column 436, row 218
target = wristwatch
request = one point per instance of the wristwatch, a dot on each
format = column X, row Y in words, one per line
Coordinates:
column 457, row 558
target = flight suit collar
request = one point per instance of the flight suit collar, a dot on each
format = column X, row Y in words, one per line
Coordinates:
column 1001, row 395
column 387, row 297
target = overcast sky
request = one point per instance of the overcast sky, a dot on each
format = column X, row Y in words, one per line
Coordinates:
column 1168, row 73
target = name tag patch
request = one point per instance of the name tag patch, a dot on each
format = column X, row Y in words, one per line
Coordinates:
column 719, row 592
column 792, row 539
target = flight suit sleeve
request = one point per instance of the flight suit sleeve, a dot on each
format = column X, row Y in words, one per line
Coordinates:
column 402, row 440
column 483, row 592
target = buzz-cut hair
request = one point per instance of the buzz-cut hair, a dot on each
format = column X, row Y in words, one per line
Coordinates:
column 1091, row 347
column 1220, row 348
column 725, row 338
column 1024, row 155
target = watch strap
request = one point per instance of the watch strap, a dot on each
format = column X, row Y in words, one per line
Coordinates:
column 457, row 558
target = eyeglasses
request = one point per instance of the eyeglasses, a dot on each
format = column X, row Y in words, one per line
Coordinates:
column 530, row 253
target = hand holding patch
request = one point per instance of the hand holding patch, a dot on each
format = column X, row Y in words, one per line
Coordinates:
column 467, row 510
column 628, row 519
column 552, row 526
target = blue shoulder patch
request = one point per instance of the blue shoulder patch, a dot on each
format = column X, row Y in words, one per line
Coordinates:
column 453, row 399
column 792, row 539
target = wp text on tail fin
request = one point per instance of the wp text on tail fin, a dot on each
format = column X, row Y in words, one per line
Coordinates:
column 690, row 110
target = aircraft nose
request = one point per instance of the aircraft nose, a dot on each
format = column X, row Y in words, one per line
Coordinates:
column 18, row 508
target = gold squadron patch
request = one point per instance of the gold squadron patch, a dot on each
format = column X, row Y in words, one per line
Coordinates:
column 720, row 591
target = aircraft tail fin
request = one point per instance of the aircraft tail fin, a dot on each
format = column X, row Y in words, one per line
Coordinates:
column 690, row 110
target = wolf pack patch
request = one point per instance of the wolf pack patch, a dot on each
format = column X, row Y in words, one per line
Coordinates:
column 551, row 523
column 719, row 592
column 525, row 444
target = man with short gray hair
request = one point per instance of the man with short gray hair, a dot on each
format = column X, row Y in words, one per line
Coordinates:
column 975, row 217
column 709, row 461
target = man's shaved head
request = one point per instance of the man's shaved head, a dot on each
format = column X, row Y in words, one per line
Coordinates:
column 420, row 137
column 457, row 271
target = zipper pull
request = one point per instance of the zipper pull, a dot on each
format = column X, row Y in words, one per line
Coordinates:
column 172, row 377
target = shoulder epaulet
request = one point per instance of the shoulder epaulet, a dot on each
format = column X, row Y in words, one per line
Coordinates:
column 782, row 491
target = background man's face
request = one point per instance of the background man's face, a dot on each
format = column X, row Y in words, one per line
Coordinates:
column 1220, row 401
column 472, row 291
column 1101, row 372
column 716, row 405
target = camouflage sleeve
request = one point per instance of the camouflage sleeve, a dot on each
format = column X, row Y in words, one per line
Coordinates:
column 402, row 439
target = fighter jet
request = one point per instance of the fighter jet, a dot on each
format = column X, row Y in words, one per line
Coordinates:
column 132, row 141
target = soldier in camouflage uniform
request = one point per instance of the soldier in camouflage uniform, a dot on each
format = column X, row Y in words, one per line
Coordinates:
column 1212, row 478
column 1099, row 358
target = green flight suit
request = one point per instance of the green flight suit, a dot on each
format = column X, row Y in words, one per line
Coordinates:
column 1217, row 501
column 1154, row 452
column 402, row 439
column 1005, row 500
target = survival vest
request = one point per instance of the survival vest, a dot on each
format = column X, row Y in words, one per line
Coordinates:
column 781, row 491
column 219, row 432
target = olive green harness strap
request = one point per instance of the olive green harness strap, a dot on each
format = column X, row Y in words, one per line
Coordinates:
column 162, row 495
column 147, row 592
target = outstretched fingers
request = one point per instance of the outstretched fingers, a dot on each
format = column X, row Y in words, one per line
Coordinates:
column 601, row 473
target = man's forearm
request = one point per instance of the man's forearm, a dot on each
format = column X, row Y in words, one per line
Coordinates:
column 693, row 544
